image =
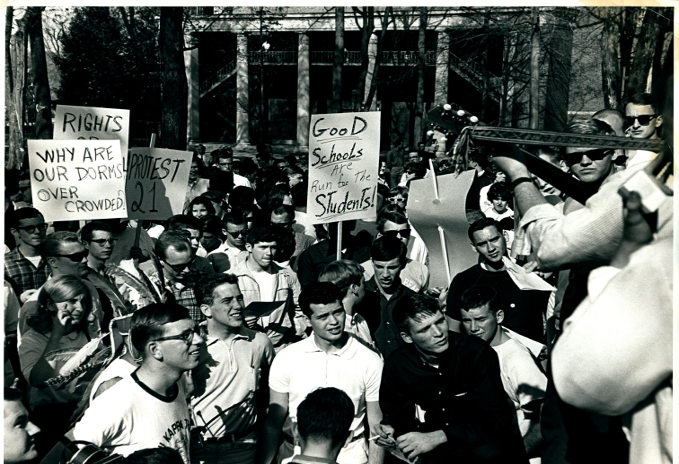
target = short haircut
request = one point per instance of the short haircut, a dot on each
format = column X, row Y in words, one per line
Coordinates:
column 212, row 224
column 325, row 415
column 416, row 168
column 233, row 218
column 500, row 191
column 388, row 248
column 241, row 195
column 413, row 306
column 319, row 293
column 154, row 456
column 184, row 221
column 12, row 394
column 88, row 229
column 284, row 209
column 390, row 216
column 51, row 246
column 479, row 295
column 22, row 213
column 171, row 238
column 644, row 99
column 58, row 290
column 207, row 284
column 260, row 235
column 474, row 215
column 342, row 273
column 589, row 127
column 147, row 323
column 480, row 225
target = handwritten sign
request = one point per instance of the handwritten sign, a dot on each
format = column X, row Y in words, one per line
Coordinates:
column 77, row 179
column 343, row 166
column 89, row 123
column 157, row 179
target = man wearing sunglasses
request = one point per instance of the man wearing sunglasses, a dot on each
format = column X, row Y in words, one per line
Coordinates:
column 643, row 120
column 24, row 267
column 234, row 229
column 414, row 275
column 177, row 270
column 148, row 409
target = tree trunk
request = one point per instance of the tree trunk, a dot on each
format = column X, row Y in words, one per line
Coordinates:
column 419, row 105
column 378, row 58
column 534, row 111
column 41, row 86
column 559, row 51
column 16, row 49
column 643, row 54
column 610, row 64
column 173, row 84
column 339, row 61
column 367, row 29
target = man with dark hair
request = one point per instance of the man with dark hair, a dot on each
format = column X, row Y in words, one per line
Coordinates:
column 523, row 379
column 330, row 357
column 388, row 256
column 322, row 428
column 25, row 269
column 191, row 227
column 177, row 271
column 415, row 275
column 18, row 431
column 261, row 279
column 231, row 380
column 284, row 215
column 441, row 394
column 234, row 229
column 523, row 309
column 148, row 409
column 643, row 117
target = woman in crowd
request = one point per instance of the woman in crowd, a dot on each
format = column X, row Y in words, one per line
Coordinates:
column 200, row 207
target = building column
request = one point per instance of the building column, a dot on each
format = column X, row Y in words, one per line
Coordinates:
column 242, row 92
column 442, row 68
column 372, row 56
column 303, row 88
column 192, row 78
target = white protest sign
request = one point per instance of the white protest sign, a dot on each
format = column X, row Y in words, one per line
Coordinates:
column 77, row 179
column 89, row 123
column 344, row 152
column 157, row 179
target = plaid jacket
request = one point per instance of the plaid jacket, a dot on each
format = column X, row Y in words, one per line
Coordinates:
column 22, row 274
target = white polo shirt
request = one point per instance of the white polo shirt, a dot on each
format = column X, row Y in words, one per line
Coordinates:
column 303, row 367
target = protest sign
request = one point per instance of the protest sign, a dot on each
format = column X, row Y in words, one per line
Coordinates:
column 344, row 154
column 446, row 215
column 77, row 179
column 89, row 123
column 157, row 179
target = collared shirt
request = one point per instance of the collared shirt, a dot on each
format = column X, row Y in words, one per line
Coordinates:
column 387, row 335
column 22, row 274
column 303, row 367
column 463, row 396
column 226, row 381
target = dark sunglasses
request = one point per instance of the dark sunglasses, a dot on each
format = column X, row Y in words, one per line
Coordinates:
column 31, row 229
column 405, row 233
column 76, row 257
column 237, row 233
column 186, row 336
column 180, row 267
column 644, row 119
column 594, row 155
column 104, row 241
column 396, row 199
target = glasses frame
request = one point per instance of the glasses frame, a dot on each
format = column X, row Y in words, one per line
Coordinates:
column 634, row 119
column 240, row 233
column 30, row 229
column 184, row 266
column 104, row 241
column 186, row 336
column 82, row 254
column 568, row 158
column 405, row 233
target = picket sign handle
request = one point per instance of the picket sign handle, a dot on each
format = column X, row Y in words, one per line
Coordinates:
column 433, row 179
column 442, row 237
column 339, row 240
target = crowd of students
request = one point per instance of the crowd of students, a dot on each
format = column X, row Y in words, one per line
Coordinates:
column 233, row 334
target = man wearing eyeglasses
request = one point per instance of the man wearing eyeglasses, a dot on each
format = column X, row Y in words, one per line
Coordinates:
column 177, row 271
column 414, row 275
column 148, row 409
column 24, row 267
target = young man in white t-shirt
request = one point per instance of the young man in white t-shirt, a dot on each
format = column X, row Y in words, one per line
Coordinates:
column 261, row 279
column 524, row 381
column 148, row 409
column 328, row 358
